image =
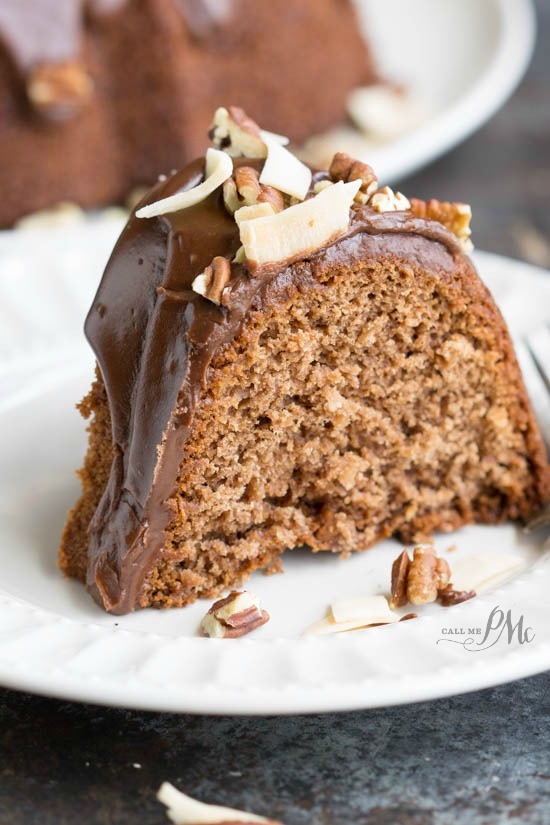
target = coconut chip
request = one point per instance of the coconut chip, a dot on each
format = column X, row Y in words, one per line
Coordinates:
column 219, row 167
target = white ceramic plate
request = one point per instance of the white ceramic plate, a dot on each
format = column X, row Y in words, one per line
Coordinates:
column 463, row 59
column 55, row 640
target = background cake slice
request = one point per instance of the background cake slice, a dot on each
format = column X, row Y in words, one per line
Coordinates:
column 279, row 369
column 100, row 96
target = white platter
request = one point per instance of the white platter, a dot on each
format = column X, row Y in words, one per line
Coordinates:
column 54, row 640
column 464, row 59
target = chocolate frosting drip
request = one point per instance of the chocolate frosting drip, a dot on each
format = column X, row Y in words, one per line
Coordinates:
column 154, row 339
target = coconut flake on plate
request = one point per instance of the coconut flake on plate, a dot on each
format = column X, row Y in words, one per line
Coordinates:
column 484, row 572
column 366, row 609
column 353, row 613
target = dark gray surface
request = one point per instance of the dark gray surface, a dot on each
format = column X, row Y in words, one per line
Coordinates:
column 469, row 760
column 482, row 759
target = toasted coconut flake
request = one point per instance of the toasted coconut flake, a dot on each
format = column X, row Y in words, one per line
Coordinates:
column 300, row 228
column 258, row 210
column 219, row 167
column 363, row 609
column 183, row 810
column 483, row 572
column 284, row 171
column 328, row 626
column 266, row 136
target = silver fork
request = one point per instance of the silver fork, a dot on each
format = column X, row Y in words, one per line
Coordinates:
column 533, row 353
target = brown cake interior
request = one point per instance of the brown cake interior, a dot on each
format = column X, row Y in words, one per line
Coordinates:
column 370, row 394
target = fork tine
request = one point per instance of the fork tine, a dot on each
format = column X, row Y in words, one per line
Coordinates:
column 538, row 344
column 537, row 386
column 533, row 354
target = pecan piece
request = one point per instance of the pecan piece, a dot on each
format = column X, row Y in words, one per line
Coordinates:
column 386, row 200
column 59, row 90
column 247, row 181
column 345, row 168
column 243, row 121
column 427, row 575
column 448, row 596
column 237, row 134
column 399, row 574
column 274, row 197
column 455, row 216
column 234, row 616
column 425, row 579
column 212, row 282
column 245, row 189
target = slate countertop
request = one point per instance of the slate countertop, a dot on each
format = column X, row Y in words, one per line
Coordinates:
column 479, row 759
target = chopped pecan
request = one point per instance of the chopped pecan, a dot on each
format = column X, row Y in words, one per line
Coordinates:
column 455, row 216
column 448, row 596
column 427, row 575
column 421, row 580
column 408, row 616
column 269, row 194
column 399, row 573
column 245, row 189
column 247, row 180
column 243, row 121
column 212, row 282
column 346, row 168
column 59, row 90
column 237, row 134
column 386, row 200
column 234, row 616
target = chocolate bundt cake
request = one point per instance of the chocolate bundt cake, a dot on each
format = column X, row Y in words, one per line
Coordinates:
column 99, row 96
column 289, row 358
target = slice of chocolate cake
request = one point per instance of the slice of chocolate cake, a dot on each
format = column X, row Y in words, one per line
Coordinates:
column 289, row 358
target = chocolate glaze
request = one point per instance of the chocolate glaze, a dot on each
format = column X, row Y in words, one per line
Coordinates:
column 154, row 339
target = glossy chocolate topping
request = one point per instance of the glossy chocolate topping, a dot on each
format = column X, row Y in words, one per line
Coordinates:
column 154, row 339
